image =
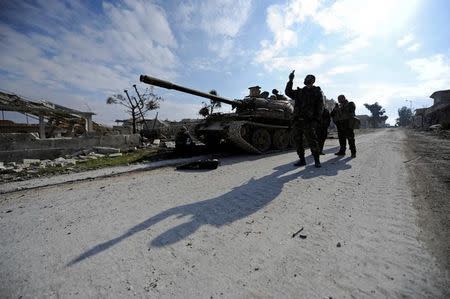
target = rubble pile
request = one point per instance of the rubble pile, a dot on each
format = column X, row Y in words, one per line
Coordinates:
column 8, row 170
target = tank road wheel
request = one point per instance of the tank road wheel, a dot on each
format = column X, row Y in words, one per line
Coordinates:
column 281, row 139
column 261, row 140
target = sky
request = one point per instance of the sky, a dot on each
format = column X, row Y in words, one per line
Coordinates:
column 78, row 53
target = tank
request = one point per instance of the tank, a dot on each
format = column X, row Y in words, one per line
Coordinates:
column 257, row 124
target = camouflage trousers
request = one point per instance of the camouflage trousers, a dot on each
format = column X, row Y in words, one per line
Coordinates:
column 345, row 132
column 305, row 130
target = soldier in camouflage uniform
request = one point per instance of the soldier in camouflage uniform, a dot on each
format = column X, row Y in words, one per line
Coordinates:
column 307, row 115
column 183, row 141
column 342, row 116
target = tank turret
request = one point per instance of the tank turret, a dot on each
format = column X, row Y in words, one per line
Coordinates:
column 259, row 123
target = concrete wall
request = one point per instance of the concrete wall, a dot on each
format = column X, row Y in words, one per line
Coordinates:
column 16, row 146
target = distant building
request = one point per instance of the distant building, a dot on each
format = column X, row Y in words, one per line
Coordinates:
column 441, row 97
column 438, row 113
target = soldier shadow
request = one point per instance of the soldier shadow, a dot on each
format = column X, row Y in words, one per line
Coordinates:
column 236, row 204
column 329, row 168
column 225, row 209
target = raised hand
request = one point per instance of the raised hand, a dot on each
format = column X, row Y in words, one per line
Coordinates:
column 291, row 75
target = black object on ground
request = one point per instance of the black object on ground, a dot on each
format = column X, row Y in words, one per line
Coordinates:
column 201, row 164
column 296, row 233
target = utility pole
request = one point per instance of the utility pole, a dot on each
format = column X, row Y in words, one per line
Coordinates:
column 132, row 111
column 410, row 109
column 410, row 104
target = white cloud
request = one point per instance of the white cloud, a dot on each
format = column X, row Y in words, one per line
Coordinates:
column 435, row 68
column 355, row 44
column 355, row 22
column 280, row 20
column 409, row 43
column 365, row 18
column 172, row 110
column 407, row 39
column 338, row 70
column 414, row 47
column 221, row 17
column 221, row 20
column 223, row 48
column 76, row 51
column 307, row 63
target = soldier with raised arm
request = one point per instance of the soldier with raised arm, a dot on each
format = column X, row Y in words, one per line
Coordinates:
column 307, row 115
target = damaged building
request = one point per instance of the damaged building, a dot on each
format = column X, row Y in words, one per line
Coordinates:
column 59, row 130
column 438, row 113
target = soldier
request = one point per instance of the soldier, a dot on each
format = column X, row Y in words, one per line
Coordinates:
column 276, row 96
column 343, row 114
column 183, row 141
column 322, row 131
column 307, row 114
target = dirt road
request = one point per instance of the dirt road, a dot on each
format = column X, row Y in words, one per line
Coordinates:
column 227, row 233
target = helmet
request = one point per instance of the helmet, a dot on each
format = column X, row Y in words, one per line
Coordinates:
column 309, row 79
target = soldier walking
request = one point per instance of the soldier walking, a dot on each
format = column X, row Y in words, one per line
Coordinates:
column 343, row 115
column 307, row 115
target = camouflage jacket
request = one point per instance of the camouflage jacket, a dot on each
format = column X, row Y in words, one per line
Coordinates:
column 308, row 102
column 343, row 112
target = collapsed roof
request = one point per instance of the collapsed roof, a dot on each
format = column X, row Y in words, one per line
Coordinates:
column 13, row 102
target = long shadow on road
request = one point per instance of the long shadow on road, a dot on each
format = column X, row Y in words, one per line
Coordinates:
column 236, row 204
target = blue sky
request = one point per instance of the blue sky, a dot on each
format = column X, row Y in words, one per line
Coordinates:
column 77, row 53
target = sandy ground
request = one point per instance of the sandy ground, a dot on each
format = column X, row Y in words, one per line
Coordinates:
column 227, row 233
column 429, row 165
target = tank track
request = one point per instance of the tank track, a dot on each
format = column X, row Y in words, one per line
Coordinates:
column 234, row 135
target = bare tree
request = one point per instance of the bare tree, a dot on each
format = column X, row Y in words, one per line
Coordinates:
column 136, row 107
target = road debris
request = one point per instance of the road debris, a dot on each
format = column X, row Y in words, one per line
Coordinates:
column 200, row 164
column 297, row 232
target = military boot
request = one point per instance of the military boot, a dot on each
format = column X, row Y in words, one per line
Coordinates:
column 317, row 161
column 352, row 146
column 341, row 152
column 300, row 162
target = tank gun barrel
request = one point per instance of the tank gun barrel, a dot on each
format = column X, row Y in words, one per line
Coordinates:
column 170, row 85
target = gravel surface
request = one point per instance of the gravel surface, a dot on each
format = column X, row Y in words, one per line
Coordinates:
column 226, row 233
